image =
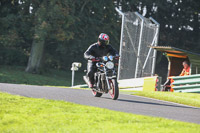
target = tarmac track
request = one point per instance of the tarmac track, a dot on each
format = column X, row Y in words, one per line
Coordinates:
column 125, row 103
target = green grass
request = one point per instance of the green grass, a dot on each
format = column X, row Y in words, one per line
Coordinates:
column 20, row 114
column 17, row 75
column 191, row 99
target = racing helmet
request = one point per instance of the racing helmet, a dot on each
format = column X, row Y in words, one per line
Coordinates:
column 103, row 39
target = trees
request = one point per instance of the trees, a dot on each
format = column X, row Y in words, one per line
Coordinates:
column 13, row 41
column 52, row 21
column 54, row 33
column 40, row 34
column 64, row 29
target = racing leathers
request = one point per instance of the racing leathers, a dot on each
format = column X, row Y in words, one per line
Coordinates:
column 95, row 51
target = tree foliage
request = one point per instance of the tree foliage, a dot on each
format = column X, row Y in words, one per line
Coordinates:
column 59, row 31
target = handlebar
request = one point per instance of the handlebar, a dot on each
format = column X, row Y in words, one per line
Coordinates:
column 98, row 59
column 95, row 60
column 117, row 57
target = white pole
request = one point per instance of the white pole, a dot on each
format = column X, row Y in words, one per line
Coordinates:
column 154, row 58
column 121, row 40
column 73, row 75
column 152, row 44
column 196, row 70
column 140, row 41
column 156, row 43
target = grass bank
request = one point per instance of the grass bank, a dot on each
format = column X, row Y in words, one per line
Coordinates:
column 191, row 99
column 17, row 75
column 21, row 114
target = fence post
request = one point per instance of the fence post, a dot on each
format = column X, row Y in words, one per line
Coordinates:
column 152, row 44
column 156, row 43
column 121, row 40
column 140, row 40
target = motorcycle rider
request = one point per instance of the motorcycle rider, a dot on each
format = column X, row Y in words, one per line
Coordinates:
column 95, row 51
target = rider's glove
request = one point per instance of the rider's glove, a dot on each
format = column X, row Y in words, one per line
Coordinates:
column 93, row 60
column 117, row 57
column 91, row 57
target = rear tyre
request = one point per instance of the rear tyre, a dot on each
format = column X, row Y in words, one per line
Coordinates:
column 96, row 94
column 114, row 91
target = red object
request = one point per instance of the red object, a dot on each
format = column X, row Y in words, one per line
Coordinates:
column 105, row 37
column 112, row 92
column 91, row 85
column 185, row 71
column 95, row 60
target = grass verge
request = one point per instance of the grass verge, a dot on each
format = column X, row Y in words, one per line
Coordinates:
column 21, row 114
column 191, row 99
column 17, row 75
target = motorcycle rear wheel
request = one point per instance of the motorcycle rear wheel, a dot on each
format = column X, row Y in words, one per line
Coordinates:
column 114, row 91
column 96, row 94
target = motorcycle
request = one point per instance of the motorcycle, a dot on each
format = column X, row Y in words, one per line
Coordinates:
column 105, row 77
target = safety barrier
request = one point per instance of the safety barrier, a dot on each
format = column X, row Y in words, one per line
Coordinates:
column 190, row 83
column 142, row 84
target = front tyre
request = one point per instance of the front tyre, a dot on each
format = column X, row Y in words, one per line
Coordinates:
column 114, row 91
column 96, row 94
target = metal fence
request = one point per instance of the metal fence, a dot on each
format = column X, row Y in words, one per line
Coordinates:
column 137, row 34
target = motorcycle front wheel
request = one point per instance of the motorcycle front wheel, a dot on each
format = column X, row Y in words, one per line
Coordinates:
column 96, row 94
column 114, row 91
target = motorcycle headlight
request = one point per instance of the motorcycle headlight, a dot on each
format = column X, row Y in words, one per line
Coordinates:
column 105, row 58
column 110, row 57
column 110, row 65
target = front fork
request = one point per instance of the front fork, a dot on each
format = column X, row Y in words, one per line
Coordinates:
column 107, row 80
